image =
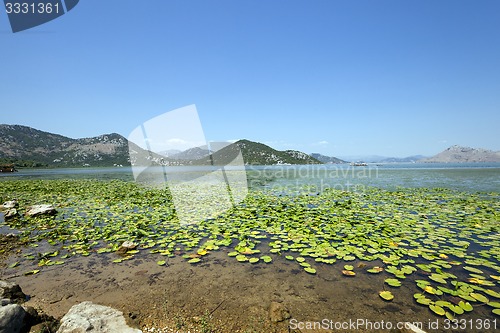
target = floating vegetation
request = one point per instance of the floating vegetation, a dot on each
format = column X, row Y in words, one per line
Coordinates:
column 386, row 295
column 443, row 244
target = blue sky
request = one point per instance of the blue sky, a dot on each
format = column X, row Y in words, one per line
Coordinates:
column 392, row 78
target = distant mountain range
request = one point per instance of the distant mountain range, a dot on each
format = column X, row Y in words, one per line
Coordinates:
column 327, row 159
column 459, row 154
column 28, row 147
column 382, row 159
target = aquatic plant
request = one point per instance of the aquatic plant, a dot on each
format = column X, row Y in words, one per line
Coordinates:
column 443, row 243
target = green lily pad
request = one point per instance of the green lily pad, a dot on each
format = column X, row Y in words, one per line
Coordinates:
column 465, row 305
column 310, row 270
column 375, row 270
column 479, row 297
column 194, row 260
column 253, row 260
column 494, row 304
column 473, row 269
column 161, row 262
column 437, row 278
column 437, row 310
column 348, row 267
column 492, row 293
column 393, row 282
column 266, row 259
column 241, row 258
column 386, row 295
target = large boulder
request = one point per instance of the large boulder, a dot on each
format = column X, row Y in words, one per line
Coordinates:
column 88, row 317
column 11, row 291
column 12, row 318
column 36, row 210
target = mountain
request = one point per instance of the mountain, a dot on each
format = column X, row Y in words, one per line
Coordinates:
column 194, row 153
column 409, row 159
column 28, row 147
column 383, row 159
column 327, row 159
column 256, row 153
column 459, row 154
column 169, row 152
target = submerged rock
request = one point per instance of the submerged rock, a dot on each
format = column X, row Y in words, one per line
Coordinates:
column 278, row 312
column 40, row 210
column 88, row 317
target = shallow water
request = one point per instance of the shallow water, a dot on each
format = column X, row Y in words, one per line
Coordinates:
column 469, row 177
column 158, row 294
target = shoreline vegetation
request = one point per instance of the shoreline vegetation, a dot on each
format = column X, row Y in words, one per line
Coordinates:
column 434, row 252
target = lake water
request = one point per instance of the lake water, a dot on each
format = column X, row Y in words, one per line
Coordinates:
column 469, row 177
column 246, row 289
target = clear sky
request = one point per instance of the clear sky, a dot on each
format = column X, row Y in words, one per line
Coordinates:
column 393, row 78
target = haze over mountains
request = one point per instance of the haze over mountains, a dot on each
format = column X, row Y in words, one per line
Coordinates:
column 28, row 147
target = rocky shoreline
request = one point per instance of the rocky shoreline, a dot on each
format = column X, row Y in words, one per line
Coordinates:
column 15, row 317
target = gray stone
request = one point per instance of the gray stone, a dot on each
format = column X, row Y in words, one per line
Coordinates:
column 11, row 318
column 126, row 246
column 10, row 204
column 10, row 213
column 40, row 210
column 11, row 291
column 278, row 312
column 88, row 317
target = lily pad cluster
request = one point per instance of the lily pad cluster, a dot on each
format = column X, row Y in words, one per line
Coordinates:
column 442, row 243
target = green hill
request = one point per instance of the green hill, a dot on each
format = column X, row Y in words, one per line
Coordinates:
column 28, row 147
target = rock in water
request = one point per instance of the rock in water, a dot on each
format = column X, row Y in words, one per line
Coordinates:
column 10, row 213
column 278, row 312
column 11, row 291
column 88, row 317
column 40, row 210
column 10, row 204
column 11, row 318
column 126, row 246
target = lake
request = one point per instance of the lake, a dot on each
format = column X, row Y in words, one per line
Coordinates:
column 422, row 253
column 470, row 177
